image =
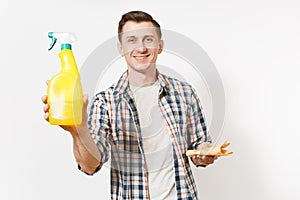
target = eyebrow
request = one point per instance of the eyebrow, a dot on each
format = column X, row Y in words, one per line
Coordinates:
column 131, row 36
column 149, row 36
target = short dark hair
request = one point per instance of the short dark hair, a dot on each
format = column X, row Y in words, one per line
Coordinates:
column 137, row 16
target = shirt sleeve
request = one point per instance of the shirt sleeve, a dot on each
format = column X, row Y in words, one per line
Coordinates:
column 99, row 125
column 196, row 123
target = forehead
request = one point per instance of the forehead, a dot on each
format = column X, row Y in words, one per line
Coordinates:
column 132, row 28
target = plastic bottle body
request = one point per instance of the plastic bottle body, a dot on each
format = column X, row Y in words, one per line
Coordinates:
column 65, row 93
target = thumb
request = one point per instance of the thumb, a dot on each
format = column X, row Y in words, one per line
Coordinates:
column 85, row 101
column 84, row 108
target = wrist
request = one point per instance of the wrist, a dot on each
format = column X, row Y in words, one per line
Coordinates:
column 79, row 130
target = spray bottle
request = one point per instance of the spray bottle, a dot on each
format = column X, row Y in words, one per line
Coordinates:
column 64, row 89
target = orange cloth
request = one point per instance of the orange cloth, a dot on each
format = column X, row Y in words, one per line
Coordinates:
column 218, row 150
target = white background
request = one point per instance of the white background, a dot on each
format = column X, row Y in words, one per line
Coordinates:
column 254, row 45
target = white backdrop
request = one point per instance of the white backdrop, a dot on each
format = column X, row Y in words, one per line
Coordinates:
column 254, row 45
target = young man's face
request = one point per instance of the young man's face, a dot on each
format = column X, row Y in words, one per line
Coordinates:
column 140, row 45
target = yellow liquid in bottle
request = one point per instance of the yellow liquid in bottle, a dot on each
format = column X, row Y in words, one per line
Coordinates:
column 65, row 93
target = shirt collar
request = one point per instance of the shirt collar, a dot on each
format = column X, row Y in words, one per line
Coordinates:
column 122, row 85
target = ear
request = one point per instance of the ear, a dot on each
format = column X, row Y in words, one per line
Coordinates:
column 161, row 46
column 120, row 49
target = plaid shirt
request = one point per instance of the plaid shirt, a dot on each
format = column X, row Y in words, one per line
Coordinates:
column 115, row 128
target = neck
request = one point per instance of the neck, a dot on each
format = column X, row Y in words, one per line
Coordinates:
column 142, row 79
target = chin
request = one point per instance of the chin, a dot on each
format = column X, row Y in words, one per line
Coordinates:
column 142, row 67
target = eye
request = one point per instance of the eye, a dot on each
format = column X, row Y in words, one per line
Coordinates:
column 149, row 39
column 131, row 40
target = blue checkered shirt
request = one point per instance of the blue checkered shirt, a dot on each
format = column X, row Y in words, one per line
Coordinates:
column 115, row 128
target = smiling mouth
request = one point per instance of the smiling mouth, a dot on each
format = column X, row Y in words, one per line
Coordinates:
column 141, row 57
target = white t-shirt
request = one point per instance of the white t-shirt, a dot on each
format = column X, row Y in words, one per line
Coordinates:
column 156, row 142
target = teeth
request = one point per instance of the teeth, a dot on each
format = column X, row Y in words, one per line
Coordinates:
column 141, row 56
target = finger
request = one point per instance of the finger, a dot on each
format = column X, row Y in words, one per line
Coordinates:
column 44, row 98
column 85, row 105
column 199, row 161
column 84, row 109
column 196, row 156
column 207, row 159
column 46, row 108
column 210, row 159
column 85, row 100
column 46, row 117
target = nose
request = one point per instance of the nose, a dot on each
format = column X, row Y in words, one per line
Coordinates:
column 140, row 47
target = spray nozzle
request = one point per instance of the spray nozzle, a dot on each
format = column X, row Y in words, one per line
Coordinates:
column 65, row 39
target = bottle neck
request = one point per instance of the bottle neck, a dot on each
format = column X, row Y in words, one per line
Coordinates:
column 67, row 60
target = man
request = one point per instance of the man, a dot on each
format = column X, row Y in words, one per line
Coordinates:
column 145, row 123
